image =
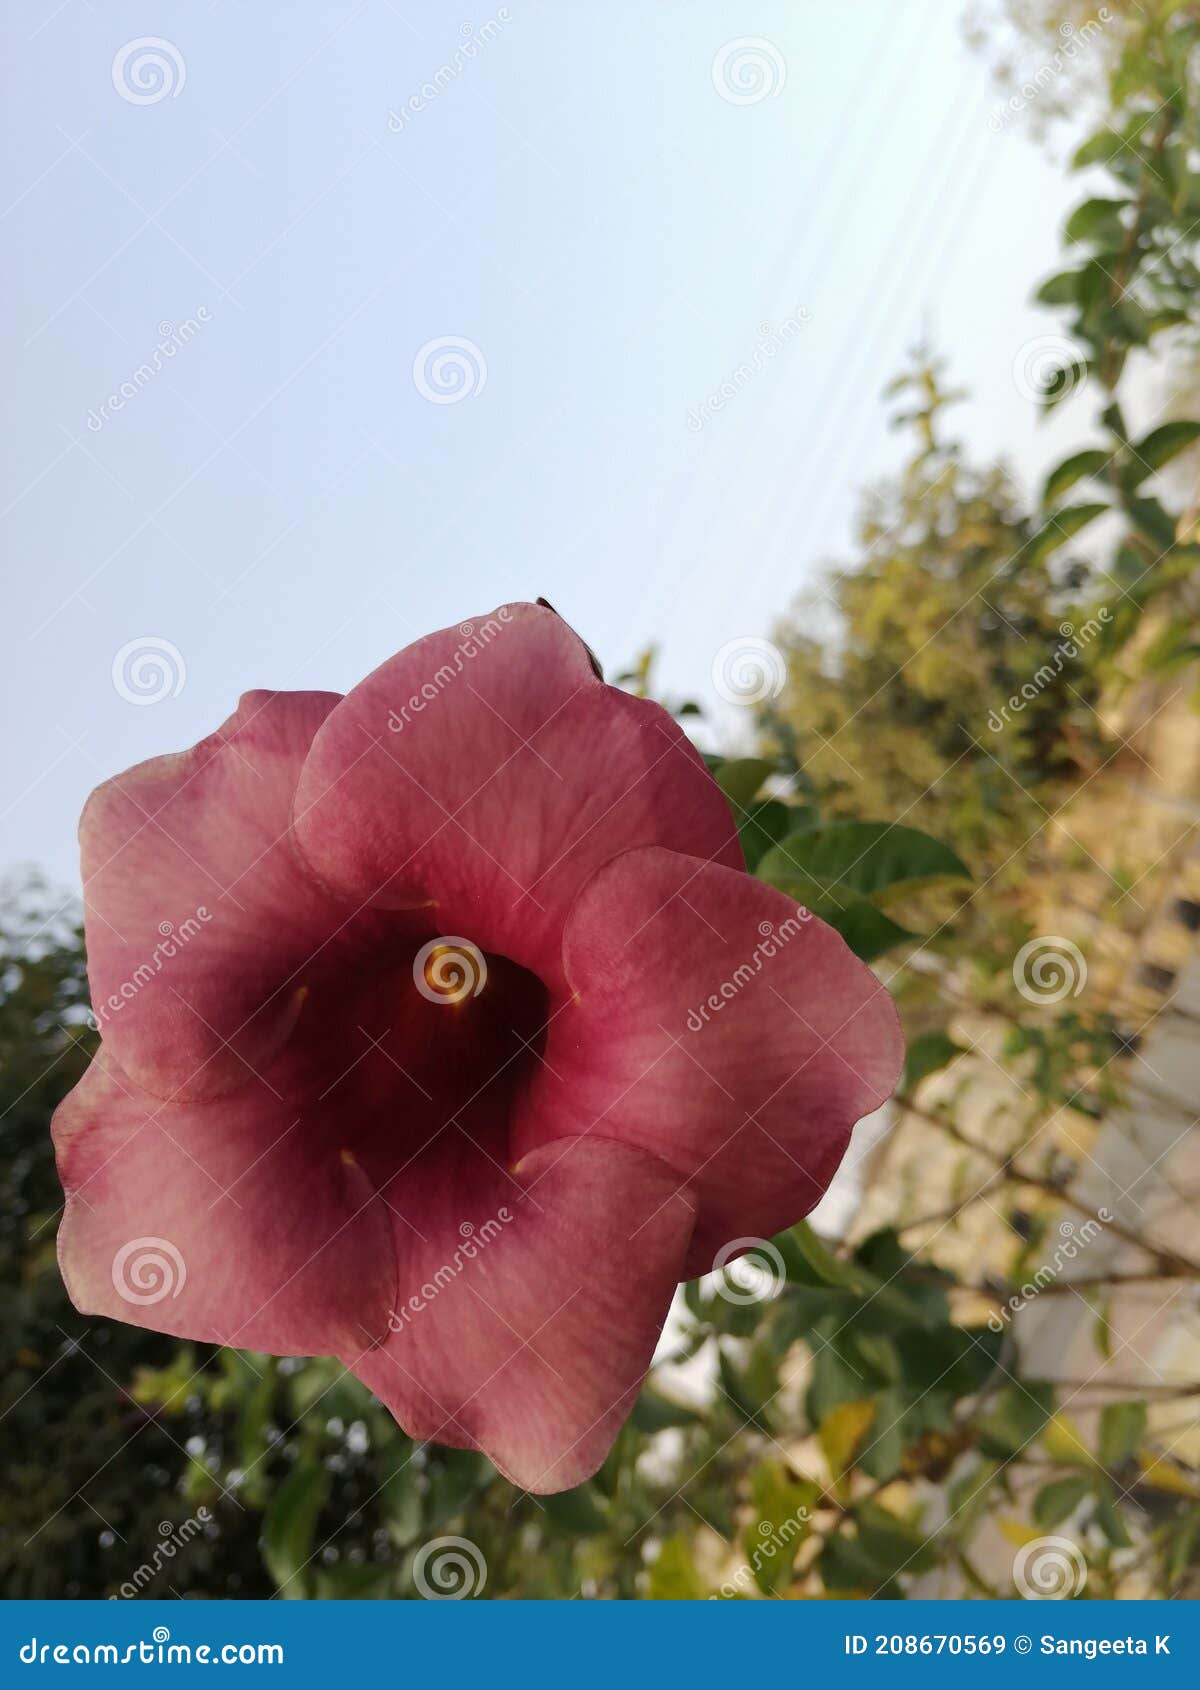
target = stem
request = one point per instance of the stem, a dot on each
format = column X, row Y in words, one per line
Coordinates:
column 1169, row 1261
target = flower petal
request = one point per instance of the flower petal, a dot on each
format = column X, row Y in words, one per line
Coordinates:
column 492, row 771
column 532, row 1348
column 237, row 1222
column 718, row 1029
column 198, row 906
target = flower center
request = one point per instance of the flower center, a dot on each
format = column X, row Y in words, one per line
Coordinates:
column 400, row 1040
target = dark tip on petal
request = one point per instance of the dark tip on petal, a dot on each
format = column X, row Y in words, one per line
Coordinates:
column 592, row 658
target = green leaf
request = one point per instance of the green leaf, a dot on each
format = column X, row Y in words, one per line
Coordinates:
column 1157, row 321
column 1122, row 1428
column 402, row 1507
column 1061, row 383
column 750, row 1387
column 783, row 1510
column 1163, row 444
column 290, row 1525
column 847, row 1568
column 1071, row 470
column 1060, row 528
column 1017, row 1415
column 578, row 1512
column 1099, row 148
column 1098, row 221
column 1110, row 1519
column 841, row 1433
column 869, row 933
column 809, row 1261
column 868, row 1564
column 968, row 1497
column 351, row 1582
column 867, row 858
column 866, row 929
column 1059, row 290
column 1114, row 421
column 741, row 777
column 1062, row 1440
column 459, row 1474
column 653, row 1412
column 673, row 1577
column 926, row 1054
column 1170, row 650
column 1153, row 521
column 1059, row 1498
column 764, row 824
column 894, row 1543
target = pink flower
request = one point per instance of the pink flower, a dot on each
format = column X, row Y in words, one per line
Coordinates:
column 444, row 1032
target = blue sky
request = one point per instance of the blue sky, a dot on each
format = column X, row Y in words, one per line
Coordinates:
column 584, row 212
